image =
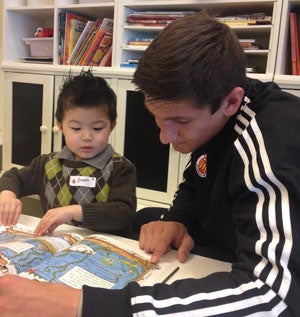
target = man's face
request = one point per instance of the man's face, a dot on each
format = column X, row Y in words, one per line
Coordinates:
column 184, row 125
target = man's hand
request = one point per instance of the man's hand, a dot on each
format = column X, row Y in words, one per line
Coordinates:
column 10, row 208
column 158, row 236
column 20, row 297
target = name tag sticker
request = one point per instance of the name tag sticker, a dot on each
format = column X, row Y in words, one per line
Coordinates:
column 85, row 181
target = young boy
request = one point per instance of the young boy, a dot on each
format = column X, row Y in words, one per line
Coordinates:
column 86, row 182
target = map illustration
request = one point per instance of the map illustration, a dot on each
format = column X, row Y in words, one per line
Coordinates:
column 93, row 262
column 97, row 260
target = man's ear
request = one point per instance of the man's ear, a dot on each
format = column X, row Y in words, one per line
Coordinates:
column 231, row 103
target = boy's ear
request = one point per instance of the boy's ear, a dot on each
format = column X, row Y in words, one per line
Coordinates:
column 231, row 103
column 113, row 124
column 59, row 125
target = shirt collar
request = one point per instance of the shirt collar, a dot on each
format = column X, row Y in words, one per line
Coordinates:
column 98, row 161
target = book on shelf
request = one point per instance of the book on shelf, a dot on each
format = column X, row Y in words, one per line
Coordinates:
column 96, row 260
column 106, row 60
column 140, row 41
column 76, row 28
column 102, row 55
column 249, row 44
column 61, row 36
column 130, row 63
column 159, row 23
column 246, row 19
column 106, row 27
column 155, row 18
column 294, row 40
column 86, row 43
column 68, row 18
column 79, row 43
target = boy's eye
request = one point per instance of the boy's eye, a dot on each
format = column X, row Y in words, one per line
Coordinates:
column 183, row 121
column 75, row 129
column 98, row 129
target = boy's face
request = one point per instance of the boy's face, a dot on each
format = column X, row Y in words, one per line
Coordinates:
column 184, row 125
column 86, row 131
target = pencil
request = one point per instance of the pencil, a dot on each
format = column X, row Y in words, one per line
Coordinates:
column 170, row 275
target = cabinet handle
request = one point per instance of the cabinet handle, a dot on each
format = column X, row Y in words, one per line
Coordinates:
column 55, row 129
column 43, row 129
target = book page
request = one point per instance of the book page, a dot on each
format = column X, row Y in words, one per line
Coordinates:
column 100, row 261
column 20, row 249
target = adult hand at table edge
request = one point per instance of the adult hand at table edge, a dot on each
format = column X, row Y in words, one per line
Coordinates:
column 21, row 296
column 158, row 237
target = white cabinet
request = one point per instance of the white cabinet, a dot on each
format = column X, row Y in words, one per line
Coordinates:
column 283, row 65
column 27, row 118
column 159, row 167
column 137, row 137
column 22, row 21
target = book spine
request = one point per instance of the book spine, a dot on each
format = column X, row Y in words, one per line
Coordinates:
column 298, row 42
column 69, row 17
column 93, row 47
column 294, row 40
column 101, row 50
column 106, row 60
column 86, row 43
column 61, row 36
column 78, row 47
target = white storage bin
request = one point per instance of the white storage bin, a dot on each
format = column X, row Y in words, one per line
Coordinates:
column 40, row 46
column 15, row 3
column 92, row 1
column 67, row 1
column 39, row 2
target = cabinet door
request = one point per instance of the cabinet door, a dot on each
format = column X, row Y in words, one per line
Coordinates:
column 28, row 117
column 137, row 138
column 58, row 140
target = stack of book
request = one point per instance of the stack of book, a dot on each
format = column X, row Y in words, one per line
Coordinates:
column 155, row 18
column 84, row 41
column 246, row 19
column 249, row 44
column 295, row 39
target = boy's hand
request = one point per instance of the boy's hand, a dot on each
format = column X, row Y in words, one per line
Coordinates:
column 58, row 216
column 10, row 208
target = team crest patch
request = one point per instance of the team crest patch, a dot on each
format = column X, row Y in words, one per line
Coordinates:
column 201, row 165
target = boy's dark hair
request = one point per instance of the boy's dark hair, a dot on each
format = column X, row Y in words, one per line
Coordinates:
column 196, row 58
column 86, row 91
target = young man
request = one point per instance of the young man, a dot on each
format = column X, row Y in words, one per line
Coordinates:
column 86, row 182
column 239, row 197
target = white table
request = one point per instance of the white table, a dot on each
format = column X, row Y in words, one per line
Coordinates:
column 195, row 267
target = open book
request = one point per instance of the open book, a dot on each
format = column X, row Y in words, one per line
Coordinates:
column 96, row 260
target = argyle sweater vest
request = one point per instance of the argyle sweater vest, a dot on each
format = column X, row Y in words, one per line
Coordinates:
column 58, row 190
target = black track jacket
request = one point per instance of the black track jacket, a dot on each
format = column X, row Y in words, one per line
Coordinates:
column 240, row 196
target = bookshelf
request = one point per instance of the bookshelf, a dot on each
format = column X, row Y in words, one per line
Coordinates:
column 283, row 70
column 266, row 35
column 21, row 21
